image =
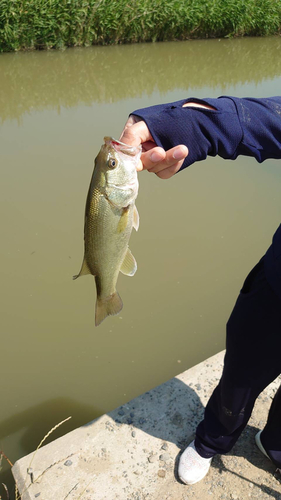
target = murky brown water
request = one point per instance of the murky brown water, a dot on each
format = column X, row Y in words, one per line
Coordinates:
column 200, row 232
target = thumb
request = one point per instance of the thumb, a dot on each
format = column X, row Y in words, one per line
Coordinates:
column 135, row 133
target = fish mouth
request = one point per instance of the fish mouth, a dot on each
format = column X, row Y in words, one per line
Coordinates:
column 121, row 147
column 130, row 185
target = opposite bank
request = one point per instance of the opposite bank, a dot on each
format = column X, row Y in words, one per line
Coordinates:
column 37, row 24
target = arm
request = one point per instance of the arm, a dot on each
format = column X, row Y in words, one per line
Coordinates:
column 226, row 126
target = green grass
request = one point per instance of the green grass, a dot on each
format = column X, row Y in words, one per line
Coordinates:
column 40, row 24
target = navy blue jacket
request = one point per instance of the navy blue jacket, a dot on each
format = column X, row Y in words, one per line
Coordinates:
column 237, row 126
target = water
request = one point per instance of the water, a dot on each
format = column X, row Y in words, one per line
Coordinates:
column 200, row 232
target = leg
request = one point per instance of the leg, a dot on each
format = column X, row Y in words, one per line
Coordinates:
column 271, row 434
column 252, row 361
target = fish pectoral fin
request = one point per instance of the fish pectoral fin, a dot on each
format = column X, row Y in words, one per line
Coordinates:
column 123, row 221
column 129, row 264
column 84, row 270
column 109, row 306
column 136, row 218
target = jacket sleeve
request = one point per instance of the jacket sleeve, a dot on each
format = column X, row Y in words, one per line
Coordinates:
column 237, row 126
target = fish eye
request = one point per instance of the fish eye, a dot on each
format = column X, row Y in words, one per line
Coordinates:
column 112, row 163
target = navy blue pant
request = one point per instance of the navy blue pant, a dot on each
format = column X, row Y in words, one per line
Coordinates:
column 252, row 361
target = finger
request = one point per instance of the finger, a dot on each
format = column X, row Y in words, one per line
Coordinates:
column 135, row 134
column 170, row 171
column 157, row 159
column 140, row 166
column 158, row 154
column 153, row 158
column 131, row 120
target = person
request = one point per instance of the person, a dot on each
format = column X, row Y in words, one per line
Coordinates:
column 173, row 136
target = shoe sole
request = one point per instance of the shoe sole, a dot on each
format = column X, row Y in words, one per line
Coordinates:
column 259, row 445
column 193, row 482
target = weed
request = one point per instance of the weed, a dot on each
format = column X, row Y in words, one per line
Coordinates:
column 41, row 24
column 29, row 469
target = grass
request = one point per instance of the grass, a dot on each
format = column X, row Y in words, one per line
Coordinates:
column 43, row 24
column 29, row 469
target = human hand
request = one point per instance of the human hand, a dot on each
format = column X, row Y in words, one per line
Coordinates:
column 154, row 159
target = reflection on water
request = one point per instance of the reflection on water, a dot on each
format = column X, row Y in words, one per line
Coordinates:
column 30, row 81
column 200, row 232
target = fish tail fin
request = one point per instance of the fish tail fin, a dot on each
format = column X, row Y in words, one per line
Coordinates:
column 84, row 270
column 109, row 306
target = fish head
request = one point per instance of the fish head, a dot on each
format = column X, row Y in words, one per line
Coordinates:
column 117, row 163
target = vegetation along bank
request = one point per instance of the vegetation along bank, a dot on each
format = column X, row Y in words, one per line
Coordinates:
column 40, row 24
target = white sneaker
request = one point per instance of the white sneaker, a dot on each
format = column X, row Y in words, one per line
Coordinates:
column 259, row 445
column 192, row 467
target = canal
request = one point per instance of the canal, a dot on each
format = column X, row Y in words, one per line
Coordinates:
column 200, row 232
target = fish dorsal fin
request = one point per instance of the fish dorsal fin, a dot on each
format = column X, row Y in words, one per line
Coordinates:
column 84, row 270
column 136, row 218
column 129, row 265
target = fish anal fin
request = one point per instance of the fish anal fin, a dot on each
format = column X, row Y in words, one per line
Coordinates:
column 84, row 270
column 108, row 307
column 136, row 218
column 129, row 264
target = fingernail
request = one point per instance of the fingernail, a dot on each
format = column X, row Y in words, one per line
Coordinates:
column 178, row 154
column 156, row 156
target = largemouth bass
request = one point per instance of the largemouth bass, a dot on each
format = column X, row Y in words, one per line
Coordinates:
column 110, row 215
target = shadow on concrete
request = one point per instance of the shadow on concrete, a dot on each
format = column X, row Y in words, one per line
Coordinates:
column 170, row 412
column 246, row 447
column 218, row 463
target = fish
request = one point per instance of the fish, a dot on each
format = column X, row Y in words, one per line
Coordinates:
column 110, row 216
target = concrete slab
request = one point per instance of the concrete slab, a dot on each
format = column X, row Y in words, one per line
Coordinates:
column 132, row 452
